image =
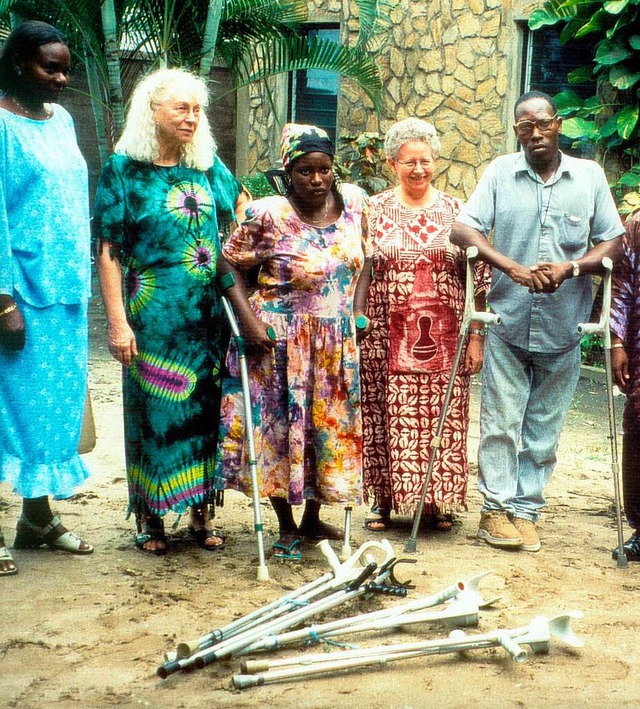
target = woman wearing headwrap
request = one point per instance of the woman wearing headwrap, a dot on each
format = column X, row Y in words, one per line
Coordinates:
column 311, row 247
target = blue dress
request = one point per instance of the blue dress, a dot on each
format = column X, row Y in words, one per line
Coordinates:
column 45, row 267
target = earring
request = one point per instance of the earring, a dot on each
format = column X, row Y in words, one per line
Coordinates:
column 337, row 183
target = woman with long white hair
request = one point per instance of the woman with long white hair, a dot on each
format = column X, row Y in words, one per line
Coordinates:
column 157, row 219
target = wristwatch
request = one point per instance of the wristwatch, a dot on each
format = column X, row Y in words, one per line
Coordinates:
column 576, row 268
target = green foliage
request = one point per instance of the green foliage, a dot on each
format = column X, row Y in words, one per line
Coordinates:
column 610, row 120
column 592, row 350
column 363, row 162
column 257, row 184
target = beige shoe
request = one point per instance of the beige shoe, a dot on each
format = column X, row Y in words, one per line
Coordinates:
column 529, row 533
column 496, row 529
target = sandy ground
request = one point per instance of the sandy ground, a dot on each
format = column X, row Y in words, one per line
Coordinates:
column 91, row 631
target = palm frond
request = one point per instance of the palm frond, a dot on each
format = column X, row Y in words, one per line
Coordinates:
column 279, row 55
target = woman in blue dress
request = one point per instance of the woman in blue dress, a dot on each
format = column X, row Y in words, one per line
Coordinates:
column 44, row 288
column 156, row 221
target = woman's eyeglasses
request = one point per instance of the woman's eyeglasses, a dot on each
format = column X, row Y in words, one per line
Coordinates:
column 412, row 164
column 525, row 128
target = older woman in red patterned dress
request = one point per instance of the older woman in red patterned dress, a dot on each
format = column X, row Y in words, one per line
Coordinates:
column 415, row 305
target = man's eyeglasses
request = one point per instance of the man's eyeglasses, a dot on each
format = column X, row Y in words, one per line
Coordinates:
column 525, row 128
column 412, row 164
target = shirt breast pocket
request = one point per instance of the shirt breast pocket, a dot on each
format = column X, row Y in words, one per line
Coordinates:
column 574, row 232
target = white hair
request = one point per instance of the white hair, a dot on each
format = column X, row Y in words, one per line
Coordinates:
column 408, row 130
column 139, row 139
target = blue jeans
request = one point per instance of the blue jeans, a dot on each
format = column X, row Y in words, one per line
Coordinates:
column 525, row 399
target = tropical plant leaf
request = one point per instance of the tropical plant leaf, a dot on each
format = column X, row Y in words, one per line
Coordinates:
column 579, row 128
column 580, row 75
column 284, row 54
column 626, row 121
column 611, row 52
column 615, row 7
column 634, row 41
column 567, row 102
column 622, row 78
column 596, row 23
column 551, row 13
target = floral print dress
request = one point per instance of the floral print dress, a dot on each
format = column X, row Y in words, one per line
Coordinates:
column 306, row 391
column 415, row 305
column 165, row 222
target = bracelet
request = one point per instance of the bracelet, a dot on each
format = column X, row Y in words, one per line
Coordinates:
column 481, row 332
column 8, row 309
column 617, row 346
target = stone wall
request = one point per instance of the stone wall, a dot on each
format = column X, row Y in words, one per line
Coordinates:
column 455, row 63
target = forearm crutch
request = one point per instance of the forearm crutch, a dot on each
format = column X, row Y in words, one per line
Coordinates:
column 470, row 314
column 226, row 281
column 602, row 328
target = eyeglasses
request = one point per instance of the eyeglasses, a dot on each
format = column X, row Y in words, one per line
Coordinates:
column 524, row 128
column 412, row 164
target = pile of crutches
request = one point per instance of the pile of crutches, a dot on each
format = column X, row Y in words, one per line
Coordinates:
column 370, row 570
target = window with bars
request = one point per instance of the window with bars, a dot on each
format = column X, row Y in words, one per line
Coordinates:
column 314, row 92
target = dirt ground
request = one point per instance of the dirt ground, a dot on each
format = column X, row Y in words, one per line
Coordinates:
column 91, row 631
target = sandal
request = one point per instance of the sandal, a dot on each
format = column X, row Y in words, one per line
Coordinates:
column 377, row 520
column 54, row 535
column 319, row 531
column 7, row 564
column 202, row 535
column 440, row 522
column 151, row 529
column 290, row 551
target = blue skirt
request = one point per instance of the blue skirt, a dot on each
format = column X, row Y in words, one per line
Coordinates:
column 42, row 394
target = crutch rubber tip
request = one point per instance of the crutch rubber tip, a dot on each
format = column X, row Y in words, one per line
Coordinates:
column 186, row 649
column 263, row 573
column 410, row 546
column 242, row 681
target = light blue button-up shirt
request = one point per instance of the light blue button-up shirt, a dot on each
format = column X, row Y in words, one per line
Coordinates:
column 533, row 221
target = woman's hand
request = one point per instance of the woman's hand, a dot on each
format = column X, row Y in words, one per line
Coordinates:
column 12, row 328
column 258, row 334
column 620, row 368
column 122, row 343
column 475, row 355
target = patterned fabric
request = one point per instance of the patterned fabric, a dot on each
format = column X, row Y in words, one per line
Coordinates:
column 299, row 139
column 45, row 266
column 415, row 304
column 306, row 392
column 164, row 221
column 625, row 312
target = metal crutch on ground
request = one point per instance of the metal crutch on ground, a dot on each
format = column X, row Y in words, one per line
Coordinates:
column 226, row 281
column 602, row 328
column 470, row 314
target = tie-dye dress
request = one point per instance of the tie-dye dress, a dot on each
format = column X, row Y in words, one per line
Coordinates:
column 306, row 391
column 164, row 221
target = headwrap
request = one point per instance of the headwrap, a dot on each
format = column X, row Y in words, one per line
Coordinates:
column 299, row 139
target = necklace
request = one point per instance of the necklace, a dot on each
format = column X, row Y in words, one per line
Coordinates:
column 46, row 108
column 542, row 214
column 308, row 219
column 165, row 173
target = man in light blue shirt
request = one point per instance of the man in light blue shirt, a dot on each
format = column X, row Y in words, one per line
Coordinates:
column 553, row 220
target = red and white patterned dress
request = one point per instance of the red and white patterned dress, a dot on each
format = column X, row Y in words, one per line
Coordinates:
column 416, row 305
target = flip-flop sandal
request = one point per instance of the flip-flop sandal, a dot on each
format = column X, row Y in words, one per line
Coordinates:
column 378, row 516
column 292, row 552
column 201, row 535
